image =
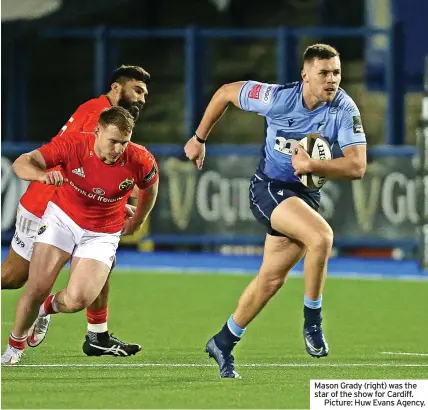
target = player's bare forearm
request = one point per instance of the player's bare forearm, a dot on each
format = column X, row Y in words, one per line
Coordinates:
column 339, row 168
column 351, row 166
column 146, row 201
column 134, row 196
column 228, row 93
column 30, row 166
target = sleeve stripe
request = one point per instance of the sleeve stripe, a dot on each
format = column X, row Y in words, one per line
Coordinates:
column 354, row 143
column 151, row 174
column 240, row 92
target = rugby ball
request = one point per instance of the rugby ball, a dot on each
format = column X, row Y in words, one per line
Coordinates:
column 318, row 148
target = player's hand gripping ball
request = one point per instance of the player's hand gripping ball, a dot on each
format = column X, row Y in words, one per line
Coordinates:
column 314, row 147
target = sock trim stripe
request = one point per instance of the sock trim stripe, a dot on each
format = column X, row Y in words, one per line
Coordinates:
column 18, row 339
column 312, row 304
column 98, row 327
column 234, row 328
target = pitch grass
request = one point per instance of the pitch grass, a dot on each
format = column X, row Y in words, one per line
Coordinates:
column 173, row 316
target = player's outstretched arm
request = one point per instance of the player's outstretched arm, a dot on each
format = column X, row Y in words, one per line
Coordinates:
column 146, row 201
column 351, row 166
column 228, row 93
column 31, row 167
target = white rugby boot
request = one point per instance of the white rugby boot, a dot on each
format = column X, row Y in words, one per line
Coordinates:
column 37, row 332
column 11, row 356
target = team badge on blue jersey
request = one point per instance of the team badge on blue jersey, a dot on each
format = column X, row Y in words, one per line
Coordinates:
column 357, row 124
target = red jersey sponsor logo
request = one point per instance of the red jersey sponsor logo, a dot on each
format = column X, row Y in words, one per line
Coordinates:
column 254, row 92
column 96, row 194
column 96, row 202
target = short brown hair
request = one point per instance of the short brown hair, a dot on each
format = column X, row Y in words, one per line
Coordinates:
column 129, row 72
column 319, row 51
column 119, row 117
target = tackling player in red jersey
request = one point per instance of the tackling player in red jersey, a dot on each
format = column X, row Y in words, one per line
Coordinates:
column 129, row 90
column 84, row 219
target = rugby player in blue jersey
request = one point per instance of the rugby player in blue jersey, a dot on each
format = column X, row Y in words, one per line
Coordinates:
column 278, row 199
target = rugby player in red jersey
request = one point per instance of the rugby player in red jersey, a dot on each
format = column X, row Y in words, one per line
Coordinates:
column 128, row 88
column 84, row 219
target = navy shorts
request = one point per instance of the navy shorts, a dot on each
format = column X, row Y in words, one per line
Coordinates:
column 265, row 196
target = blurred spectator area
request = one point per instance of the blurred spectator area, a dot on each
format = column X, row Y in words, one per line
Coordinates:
column 59, row 72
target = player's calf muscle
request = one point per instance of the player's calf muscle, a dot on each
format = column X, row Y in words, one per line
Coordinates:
column 14, row 276
column 101, row 300
column 270, row 285
column 9, row 280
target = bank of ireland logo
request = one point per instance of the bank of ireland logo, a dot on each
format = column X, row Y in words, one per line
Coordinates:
column 42, row 229
column 98, row 191
column 182, row 188
column 125, row 185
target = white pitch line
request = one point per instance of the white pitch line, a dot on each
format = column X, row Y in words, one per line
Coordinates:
column 405, row 353
column 214, row 365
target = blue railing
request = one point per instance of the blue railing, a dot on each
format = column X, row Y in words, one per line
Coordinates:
column 177, row 150
column 287, row 67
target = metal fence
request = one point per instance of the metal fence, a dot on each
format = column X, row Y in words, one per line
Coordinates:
column 194, row 41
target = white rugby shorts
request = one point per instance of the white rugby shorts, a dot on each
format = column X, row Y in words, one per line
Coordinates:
column 58, row 229
column 26, row 227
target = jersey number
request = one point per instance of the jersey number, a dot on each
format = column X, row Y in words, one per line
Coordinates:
column 285, row 146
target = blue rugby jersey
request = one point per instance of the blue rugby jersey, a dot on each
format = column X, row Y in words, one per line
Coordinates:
column 288, row 121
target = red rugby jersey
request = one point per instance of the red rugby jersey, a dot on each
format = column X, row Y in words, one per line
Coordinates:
column 95, row 194
column 85, row 119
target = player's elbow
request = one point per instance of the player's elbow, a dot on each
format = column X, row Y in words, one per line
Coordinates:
column 228, row 93
column 358, row 171
column 18, row 163
column 223, row 93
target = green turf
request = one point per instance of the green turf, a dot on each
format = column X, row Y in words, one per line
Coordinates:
column 173, row 316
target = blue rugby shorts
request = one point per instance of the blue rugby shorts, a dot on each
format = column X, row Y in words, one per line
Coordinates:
column 266, row 195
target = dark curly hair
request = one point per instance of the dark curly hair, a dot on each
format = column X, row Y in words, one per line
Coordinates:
column 129, row 72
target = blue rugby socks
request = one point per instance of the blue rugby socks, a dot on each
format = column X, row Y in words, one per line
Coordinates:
column 312, row 311
column 229, row 335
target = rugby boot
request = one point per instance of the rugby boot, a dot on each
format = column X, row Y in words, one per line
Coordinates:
column 11, row 356
column 38, row 331
column 108, row 346
column 315, row 342
column 224, row 359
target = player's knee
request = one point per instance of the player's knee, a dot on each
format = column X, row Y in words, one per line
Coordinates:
column 76, row 301
column 12, row 278
column 322, row 240
column 105, row 290
column 76, row 305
